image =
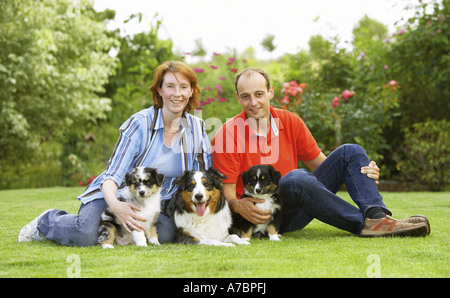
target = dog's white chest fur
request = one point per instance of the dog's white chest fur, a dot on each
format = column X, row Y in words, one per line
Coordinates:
column 210, row 226
column 268, row 204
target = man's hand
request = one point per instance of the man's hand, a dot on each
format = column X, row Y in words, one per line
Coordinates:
column 247, row 209
column 372, row 171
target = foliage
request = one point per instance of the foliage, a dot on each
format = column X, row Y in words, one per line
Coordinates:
column 138, row 56
column 216, row 79
column 53, row 65
column 426, row 155
column 420, row 61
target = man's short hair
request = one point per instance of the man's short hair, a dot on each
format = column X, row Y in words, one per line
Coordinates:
column 249, row 72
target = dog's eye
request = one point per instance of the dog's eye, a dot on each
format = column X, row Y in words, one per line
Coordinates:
column 255, row 178
column 263, row 177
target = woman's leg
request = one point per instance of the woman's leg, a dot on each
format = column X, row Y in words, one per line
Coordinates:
column 73, row 230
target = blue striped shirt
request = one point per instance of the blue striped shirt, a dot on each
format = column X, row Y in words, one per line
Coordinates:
column 140, row 141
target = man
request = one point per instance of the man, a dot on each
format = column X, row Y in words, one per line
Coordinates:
column 261, row 134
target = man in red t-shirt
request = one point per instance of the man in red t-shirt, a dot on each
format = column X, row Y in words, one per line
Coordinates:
column 261, row 134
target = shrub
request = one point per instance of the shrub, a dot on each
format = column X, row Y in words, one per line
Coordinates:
column 426, row 155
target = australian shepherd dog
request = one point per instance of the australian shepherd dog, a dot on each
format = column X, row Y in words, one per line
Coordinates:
column 261, row 182
column 143, row 188
column 200, row 211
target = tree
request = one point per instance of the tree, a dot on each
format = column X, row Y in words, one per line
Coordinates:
column 267, row 43
column 53, row 64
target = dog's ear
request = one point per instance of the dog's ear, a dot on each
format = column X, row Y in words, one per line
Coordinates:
column 129, row 178
column 160, row 178
column 244, row 175
column 154, row 173
column 276, row 176
column 178, row 181
column 216, row 173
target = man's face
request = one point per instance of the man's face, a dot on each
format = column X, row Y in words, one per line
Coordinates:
column 253, row 96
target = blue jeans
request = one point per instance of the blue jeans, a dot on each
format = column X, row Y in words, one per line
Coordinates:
column 82, row 229
column 313, row 195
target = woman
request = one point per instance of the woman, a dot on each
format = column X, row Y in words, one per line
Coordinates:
column 163, row 136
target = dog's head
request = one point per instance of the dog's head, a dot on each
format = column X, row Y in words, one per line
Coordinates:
column 201, row 191
column 143, row 182
column 261, row 179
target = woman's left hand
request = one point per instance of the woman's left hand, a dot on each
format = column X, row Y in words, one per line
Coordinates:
column 372, row 171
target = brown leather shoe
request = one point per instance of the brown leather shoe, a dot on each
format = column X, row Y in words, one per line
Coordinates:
column 388, row 226
column 419, row 219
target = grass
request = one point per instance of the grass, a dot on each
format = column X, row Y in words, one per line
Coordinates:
column 318, row 250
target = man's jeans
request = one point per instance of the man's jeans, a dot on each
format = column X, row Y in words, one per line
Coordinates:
column 313, row 195
column 82, row 229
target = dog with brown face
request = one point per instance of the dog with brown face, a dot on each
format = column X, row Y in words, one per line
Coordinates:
column 143, row 188
column 200, row 210
column 261, row 182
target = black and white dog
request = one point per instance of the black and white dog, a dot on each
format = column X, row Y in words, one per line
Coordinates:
column 143, row 188
column 200, row 211
column 261, row 182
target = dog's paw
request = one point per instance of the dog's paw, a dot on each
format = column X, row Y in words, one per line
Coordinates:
column 236, row 239
column 107, row 246
column 274, row 237
column 154, row 241
column 214, row 242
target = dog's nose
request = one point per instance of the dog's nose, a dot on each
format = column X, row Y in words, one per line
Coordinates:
column 198, row 197
column 258, row 190
column 142, row 192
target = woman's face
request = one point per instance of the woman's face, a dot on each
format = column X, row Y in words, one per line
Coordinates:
column 175, row 92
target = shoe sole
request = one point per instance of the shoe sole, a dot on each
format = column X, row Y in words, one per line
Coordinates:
column 420, row 231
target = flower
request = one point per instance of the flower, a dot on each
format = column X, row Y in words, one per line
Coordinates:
column 386, row 67
column 216, row 54
column 285, row 100
column 231, row 59
column 347, row 94
column 198, row 70
column 223, row 78
column 222, row 99
column 213, row 67
column 235, row 70
column 401, row 31
column 392, row 84
column 361, row 56
column 335, row 102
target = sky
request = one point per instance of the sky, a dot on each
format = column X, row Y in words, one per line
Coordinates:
column 237, row 24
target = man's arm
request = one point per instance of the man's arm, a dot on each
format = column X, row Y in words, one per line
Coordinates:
column 245, row 206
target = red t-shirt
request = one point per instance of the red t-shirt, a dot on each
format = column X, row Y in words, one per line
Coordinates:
column 236, row 146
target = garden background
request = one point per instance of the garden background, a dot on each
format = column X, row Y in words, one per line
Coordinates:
column 63, row 93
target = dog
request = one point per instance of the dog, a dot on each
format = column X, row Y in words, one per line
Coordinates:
column 143, row 188
column 261, row 182
column 200, row 211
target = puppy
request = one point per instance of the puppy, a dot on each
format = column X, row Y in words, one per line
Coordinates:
column 143, row 188
column 261, row 182
column 200, row 211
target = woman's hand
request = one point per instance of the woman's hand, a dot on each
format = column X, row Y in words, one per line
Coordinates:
column 372, row 171
column 125, row 212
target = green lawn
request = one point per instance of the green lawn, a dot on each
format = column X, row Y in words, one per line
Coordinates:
column 317, row 251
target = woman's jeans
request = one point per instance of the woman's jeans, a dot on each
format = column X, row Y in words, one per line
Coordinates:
column 82, row 229
column 313, row 195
